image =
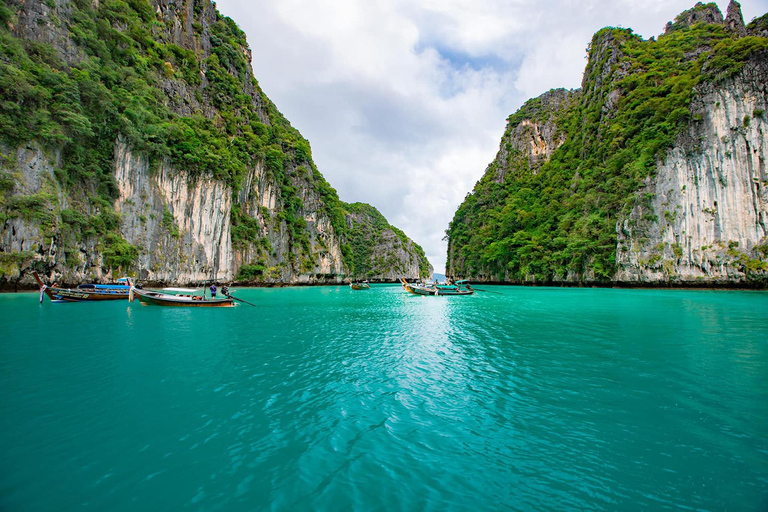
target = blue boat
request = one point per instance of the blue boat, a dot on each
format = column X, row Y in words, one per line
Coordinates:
column 84, row 292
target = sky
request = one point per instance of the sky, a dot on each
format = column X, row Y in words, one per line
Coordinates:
column 404, row 102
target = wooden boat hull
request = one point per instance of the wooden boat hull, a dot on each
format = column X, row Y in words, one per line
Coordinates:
column 150, row 298
column 357, row 286
column 75, row 295
column 58, row 295
column 427, row 290
column 454, row 290
column 438, row 290
column 421, row 290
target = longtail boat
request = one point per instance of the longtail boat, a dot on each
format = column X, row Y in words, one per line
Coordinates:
column 84, row 292
column 359, row 285
column 460, row 288
column 153, row 298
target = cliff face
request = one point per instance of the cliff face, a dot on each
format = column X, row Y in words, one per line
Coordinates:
column 142, row 144
column 654, row 172
column 180, row 224
column 531, row 138
column 381, row 251
column 703, row 217
column 532, row 134
column 34, row 184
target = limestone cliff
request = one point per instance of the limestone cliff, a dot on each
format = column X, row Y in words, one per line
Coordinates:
column 702, row 218
column 136, row 140
column 532, row 134
column 382, row 252
column 653, row 173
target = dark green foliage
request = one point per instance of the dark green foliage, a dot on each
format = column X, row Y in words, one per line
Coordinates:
column 169, row 224
column 195, row 146
column 6, row 15
column 363, row 236
column 562, row 218
column 115, row 91
column 74, row 219
column 118, row 253
column 334, row 207
column 31, row 206
column 758, row 24
column 729, row 55
column 245, row 229
column 186, row 63
column 251, row 272
column 7, row 183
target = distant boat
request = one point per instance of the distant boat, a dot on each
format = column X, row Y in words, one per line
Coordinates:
column 360, row 285
column 84, row 292
column 153, row 298
column 459, row 288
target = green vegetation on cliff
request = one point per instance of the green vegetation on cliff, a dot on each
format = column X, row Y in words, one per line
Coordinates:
column 365, row 236
column 114, row 88
column 560, row 219
column 115, row 70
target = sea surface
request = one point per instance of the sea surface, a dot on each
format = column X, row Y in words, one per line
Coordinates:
column 325, row 398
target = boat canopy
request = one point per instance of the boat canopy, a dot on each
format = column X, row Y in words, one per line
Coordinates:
column 103, row 286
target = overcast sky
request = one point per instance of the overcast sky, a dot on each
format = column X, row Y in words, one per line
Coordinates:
column 404, row 102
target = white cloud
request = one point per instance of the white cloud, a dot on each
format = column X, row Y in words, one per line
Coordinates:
column 404, row 102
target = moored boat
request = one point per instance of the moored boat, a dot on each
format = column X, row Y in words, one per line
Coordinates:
column 359, row 285
column 459, row 288
column 84, row 292
column 154, row 298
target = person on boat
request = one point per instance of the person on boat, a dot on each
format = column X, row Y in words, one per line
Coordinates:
column 225, row 290
column 213, row 291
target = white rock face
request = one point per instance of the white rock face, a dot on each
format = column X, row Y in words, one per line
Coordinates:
column 702, row 216
column 33, row 173
column 180, row 223
column 40, row 234
column 182, row 226
column 533, row 140
column 405, row 261
column 259, row 199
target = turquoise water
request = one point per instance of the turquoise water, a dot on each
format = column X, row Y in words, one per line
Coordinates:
column 328, row 399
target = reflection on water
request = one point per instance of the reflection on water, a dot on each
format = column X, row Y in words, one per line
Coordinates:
column 325, row 398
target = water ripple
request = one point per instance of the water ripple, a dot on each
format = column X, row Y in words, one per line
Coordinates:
column 327, row 399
